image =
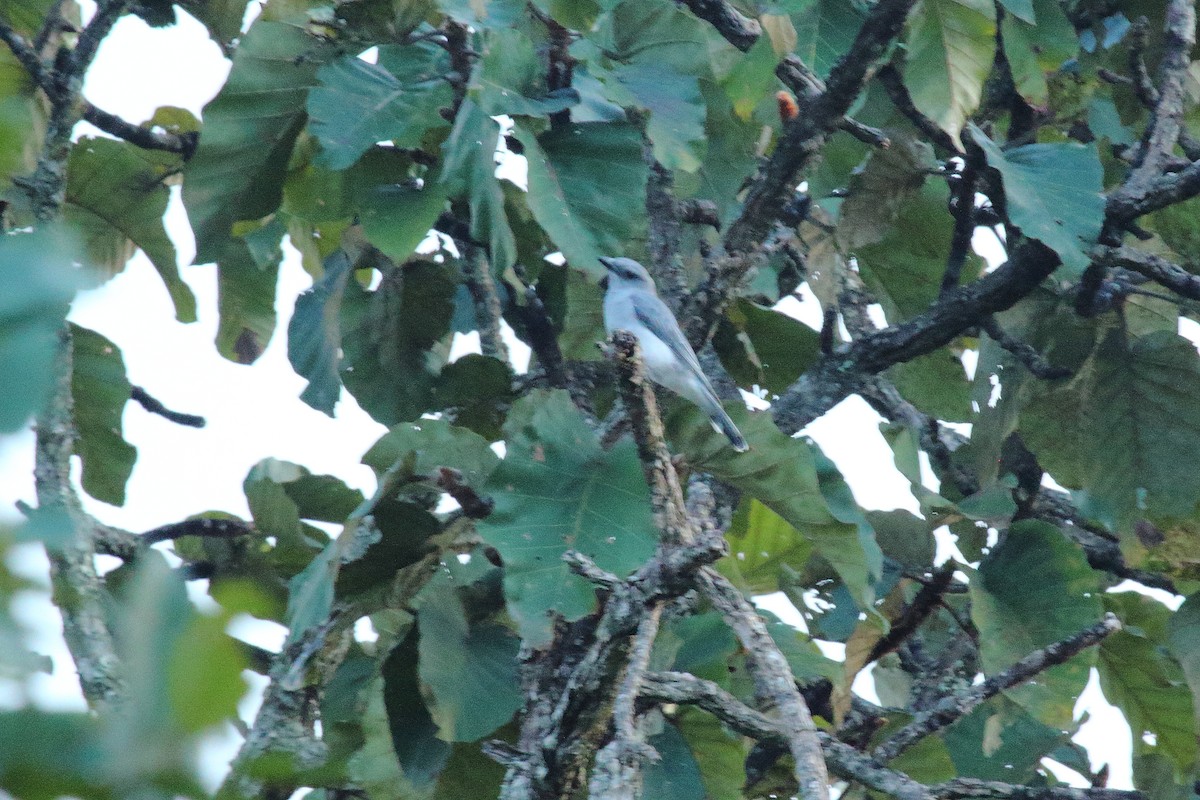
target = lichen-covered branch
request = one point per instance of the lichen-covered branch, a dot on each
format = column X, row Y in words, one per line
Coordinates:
column 477, row 275
column 950, row 709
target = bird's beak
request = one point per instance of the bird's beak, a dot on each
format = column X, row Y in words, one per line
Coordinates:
column 607, row 262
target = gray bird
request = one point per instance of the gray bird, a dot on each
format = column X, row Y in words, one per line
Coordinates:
column 632, row 303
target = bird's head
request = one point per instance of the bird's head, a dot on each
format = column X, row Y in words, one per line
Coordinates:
column 627, row 272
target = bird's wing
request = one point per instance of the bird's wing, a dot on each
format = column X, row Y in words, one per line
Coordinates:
column 652, row 312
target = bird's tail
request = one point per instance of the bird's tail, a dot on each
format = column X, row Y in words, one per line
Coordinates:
column 723, row 424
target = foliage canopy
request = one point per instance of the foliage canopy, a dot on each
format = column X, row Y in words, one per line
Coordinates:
column 511, row 649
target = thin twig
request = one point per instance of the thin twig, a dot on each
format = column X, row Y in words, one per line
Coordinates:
column 962, row 209
column 950, row 709
column 1024, row 352
column 155, row 406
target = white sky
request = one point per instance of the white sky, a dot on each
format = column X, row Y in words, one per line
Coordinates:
column 255, row 412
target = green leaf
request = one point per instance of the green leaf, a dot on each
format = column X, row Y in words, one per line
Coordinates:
column 315, row 335
column 509, row 78
column 479, row 390
column 358, row 104
column 781, row 472
column 557, row 490
column 21, row 118
column 398, row 217
column 117, row 193
column 729, row 156
column 470, row 666
column 998, row 741
column 247, row 274
column 238, row 170
column 46, row 755
column 675, row 775
column 880, row 189
column 752, row 78
column 583, row 324
column 1124, row 430
column 1033, row 50
column 469, row 773
column 825, row 29
column 386, row 338
column 656, row 32
column 1139, row 678
column 936, row 384
column 36, row 284
column 1179, row 227
column 1184, row 641
column 905, row 269
column 951, row 44
column 764, row 347
column 470, row 169
column 204, row 677
column 423, row 447
column 411, row 729
column 1053, row 193
column 759, row 541
column 1034, row 589
column 586, row 187
column 223, row 18
column 1021, row 9
column 100, row 389
column 675, row 126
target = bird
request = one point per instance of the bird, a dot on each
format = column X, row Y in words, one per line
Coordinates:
column 631, row 303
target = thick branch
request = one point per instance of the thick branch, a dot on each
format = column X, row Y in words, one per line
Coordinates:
column 1156, row 268
column 844, row 761
column 774, row 684
column 835, row 377
column 950, row 709
column 78, row 591
column 741, row 31
column 478, row 277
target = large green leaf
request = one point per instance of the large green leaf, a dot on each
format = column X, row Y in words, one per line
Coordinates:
column 247, row 273
column 1037, row 47
column 315, row 335
column 469, row 665
column 1034, row 589
column 476, row 390
column 21, row 118
column 880, row 189
column 249, row 129
column 825, row 30
column 1184, row 640
column 764, row 347
column 675, row 775
column 999, row 741
column 358, row 104
column 1053, row 194
column 470, row 169
column 100, row 390
column 937, row 384
column 423, row 447
column 586, row 187
column 37, row 283
column 676, row 123
column 655, row 32
column 951, row 44
column 387, row 335
column 905, row 269
column 117, row 192
column 1125, row 429
column 557, row 490
column 399, row 731
column 759, row 542
column 781, row 472
column 1139, row 678
column 510, row 78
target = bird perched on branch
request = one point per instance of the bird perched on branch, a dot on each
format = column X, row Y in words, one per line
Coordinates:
column 631, row 303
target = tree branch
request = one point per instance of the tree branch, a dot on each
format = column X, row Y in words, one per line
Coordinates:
column 741, row 31
column 774, row 684
column 836, row 377
column 950, row 709
column 478, row 277
column 154, row 406
column 975, row 788
column 1024, row 352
